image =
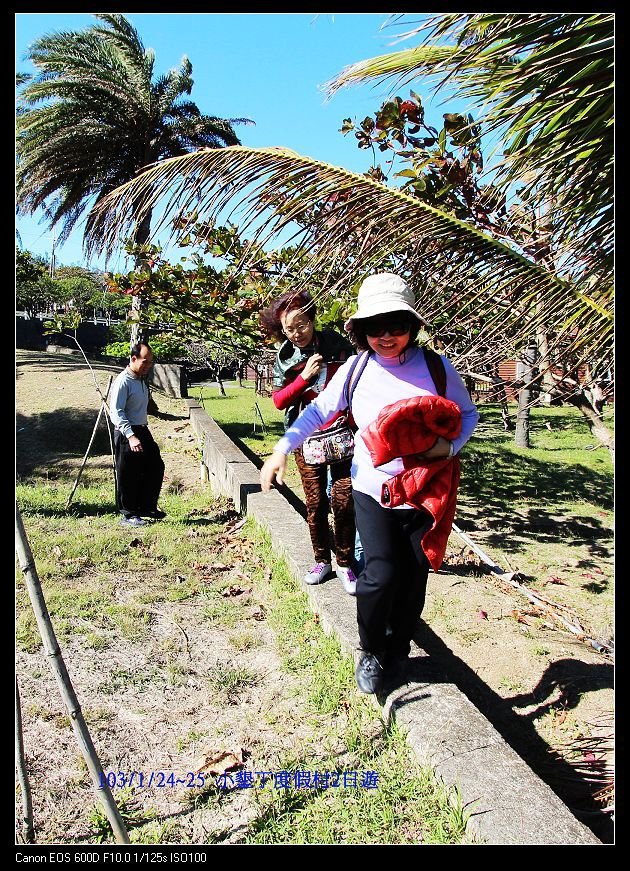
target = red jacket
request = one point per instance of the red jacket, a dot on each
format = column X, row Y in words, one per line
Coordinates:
column 405, row 429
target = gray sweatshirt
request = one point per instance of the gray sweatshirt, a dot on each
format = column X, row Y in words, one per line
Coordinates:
column 129, row 399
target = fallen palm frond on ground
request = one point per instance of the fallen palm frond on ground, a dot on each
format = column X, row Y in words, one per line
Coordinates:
column 559, row 615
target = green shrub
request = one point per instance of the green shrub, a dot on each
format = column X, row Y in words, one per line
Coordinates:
column 117, row 350
column 165, row 348
column 119, row 333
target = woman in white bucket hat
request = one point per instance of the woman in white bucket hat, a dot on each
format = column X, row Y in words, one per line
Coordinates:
column 404, row 502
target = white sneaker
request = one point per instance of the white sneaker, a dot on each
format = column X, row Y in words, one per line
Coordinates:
column 347, row 578
column 318, row 573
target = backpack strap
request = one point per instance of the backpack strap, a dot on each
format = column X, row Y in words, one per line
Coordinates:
column 352, row 379
column 435, row 365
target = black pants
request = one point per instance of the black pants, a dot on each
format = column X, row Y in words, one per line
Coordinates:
column 140, row 473
column 391, row 588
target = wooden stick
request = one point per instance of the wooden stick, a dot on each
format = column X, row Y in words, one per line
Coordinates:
column 55, row 659
column 27, row 804
column 546, row 605
column 87, row 453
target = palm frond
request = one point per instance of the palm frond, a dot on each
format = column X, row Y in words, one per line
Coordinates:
column 349, row 225
column 543, row 84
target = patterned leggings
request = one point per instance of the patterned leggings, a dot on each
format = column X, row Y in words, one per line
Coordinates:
column 315, row 483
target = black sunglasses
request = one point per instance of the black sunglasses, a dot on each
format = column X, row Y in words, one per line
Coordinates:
column 377, row 329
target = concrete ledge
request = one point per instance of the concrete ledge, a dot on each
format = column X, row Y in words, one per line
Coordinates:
column 509, row 803
column 170, row 378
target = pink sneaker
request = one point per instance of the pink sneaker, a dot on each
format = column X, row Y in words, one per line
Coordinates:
column 348, row 579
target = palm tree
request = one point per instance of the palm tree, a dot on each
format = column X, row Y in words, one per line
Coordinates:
column 93, row 117
column 348, row 225
column 545, row 83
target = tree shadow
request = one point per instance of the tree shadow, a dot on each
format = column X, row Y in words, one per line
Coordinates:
column 292, row 498
column 238, row 430
column 500, row 478
column 58, row 363
column 165, row 415
column 47, row 439
column 570, row 678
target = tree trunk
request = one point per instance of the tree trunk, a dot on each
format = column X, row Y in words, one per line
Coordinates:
column 594, row 421
column 525, row 395
column 548, row 382
column 141, row 236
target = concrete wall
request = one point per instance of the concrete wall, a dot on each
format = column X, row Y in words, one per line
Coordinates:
column 170, row 379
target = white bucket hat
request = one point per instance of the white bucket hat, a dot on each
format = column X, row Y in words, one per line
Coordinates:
column 383, row 293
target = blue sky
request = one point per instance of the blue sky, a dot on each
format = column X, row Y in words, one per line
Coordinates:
column 265, row 66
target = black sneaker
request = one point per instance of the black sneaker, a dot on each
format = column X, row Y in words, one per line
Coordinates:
column 157, row 514
column 368, row 673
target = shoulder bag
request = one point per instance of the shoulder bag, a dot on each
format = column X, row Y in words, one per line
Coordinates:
column 335, row 443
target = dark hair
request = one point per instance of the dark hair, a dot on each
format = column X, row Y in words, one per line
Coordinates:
column 135, row 350
column 270, row 317
column 358, row 336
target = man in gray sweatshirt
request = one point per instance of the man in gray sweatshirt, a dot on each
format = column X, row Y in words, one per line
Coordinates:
column 139, row 465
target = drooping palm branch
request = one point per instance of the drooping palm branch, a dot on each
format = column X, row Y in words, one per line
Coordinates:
column 543, row 82
column 347, row 225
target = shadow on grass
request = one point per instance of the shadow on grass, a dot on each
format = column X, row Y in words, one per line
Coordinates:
column 560, row 687
column 276, row 429
column 42, row 440
column 237, row 430
column 499, row 478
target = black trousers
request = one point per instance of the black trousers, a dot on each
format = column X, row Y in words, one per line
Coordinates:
column 140, row 473
column 391, row 588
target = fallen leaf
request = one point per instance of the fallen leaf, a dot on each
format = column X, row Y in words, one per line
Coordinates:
column 235, row 526
column 236, row 591
column 552, row 579
column 258, row 613
column 482, row 615
column 218, row 761
column 518, row 616
column 218, row 567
